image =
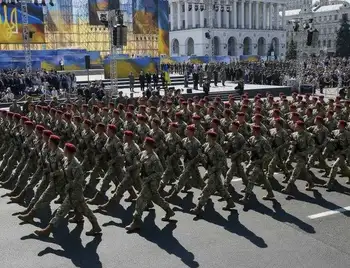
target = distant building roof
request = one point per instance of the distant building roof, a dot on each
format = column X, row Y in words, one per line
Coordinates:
column 328, row 8
column 292, row 12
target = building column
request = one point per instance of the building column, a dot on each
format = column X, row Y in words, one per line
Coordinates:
column 234, row 14
column 250, row 14
column 277, row 19
column 227, row 17
column 178, row 15
column 264, row 15
column 171, row 16
column 194, row 20
column 257, row 18
column 186, row 15
column 218, row 17
column 270, row 15
column 242, row 14
column 201, row 17
column 283, row 16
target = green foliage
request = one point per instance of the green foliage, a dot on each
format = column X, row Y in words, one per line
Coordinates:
column 343, row 39
column 292, row 51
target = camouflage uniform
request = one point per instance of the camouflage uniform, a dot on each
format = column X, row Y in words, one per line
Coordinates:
column 235, row 145
column 260, row 149
column 151, row 171
column 342, row 140
column 214, row 160
column 74, row 199
column 303, row 144
column 86, row 146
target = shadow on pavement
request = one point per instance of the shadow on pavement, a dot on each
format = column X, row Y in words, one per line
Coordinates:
column 165, row 239
column 72, row 248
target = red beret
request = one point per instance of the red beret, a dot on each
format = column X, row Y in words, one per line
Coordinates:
column 156, row 120
column 47, row 133
column 154, row 108
column 53, row 110
column 85, row 106
column 190, row 100
column 169, row 102
column 258, row 116
column 174, row 124
column 196, row 117
column 184, row 103
column 55, row 138
column 59, row 112
column 70, row 147
column 115, row 111
column 330, row 112
column 331, row 100
column 347, row 101
column 216, row 121
column 295, row 114
column 307, row 95
column 17, row 116
column 227, row 105
column 240, row 114
column 4, row 111
column 112, row 127
column 292, row 106
column 111, row 104
column 321, row 97
column 212, row 133
column 150, row 141
column 130, row 106
column 300, row 123
column 29, row 123
column 337, row 98
column 256, row 127
column 178, row 114
column 10, row 114
column 121, row 106
column 338, row 106
column 95, row 108
column 87, row 122
column 128, row 115
column 235, row 123
column 164, row 112
column 105, row 109
column 211, row 108
column 191, row 128
column 128, row 133
column 276, row 111
column 342, row 122
column 227, row 111
column 68, row 115
column 319, row 118
column 279, row 120
column 101, row 125
column 78, row 118
column 46, row 108
column 142, row 106
column 141, row 117
column 40, row 128
column 69, row 105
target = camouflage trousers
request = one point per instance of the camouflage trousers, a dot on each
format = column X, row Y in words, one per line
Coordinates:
column 34, row 180
column 131, row 179
column 149, row 192
column 172, row 170
column 54, row 189
column 213, row 184
column 79, row 205
column 318, row 155
column 4, row 149
column 256, row 174
column 236, row 169
column 9, row 165
column 275, row 162
column 300, row 169
column 115, row 173
column 21, row 164
column 40, row 190
column 88, row 162
column 95, row 174
column 190, row 175
column 340, row 163
column 27, row 170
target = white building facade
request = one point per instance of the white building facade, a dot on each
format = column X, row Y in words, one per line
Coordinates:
column 326, row 19
column 236, row 27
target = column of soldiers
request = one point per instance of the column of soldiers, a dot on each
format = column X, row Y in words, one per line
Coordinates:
column 67, row 152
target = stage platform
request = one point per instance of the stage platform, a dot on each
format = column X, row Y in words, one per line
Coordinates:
column 252, row 89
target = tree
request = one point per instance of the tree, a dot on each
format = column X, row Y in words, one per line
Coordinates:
column 292, row 51
column 343, row 39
